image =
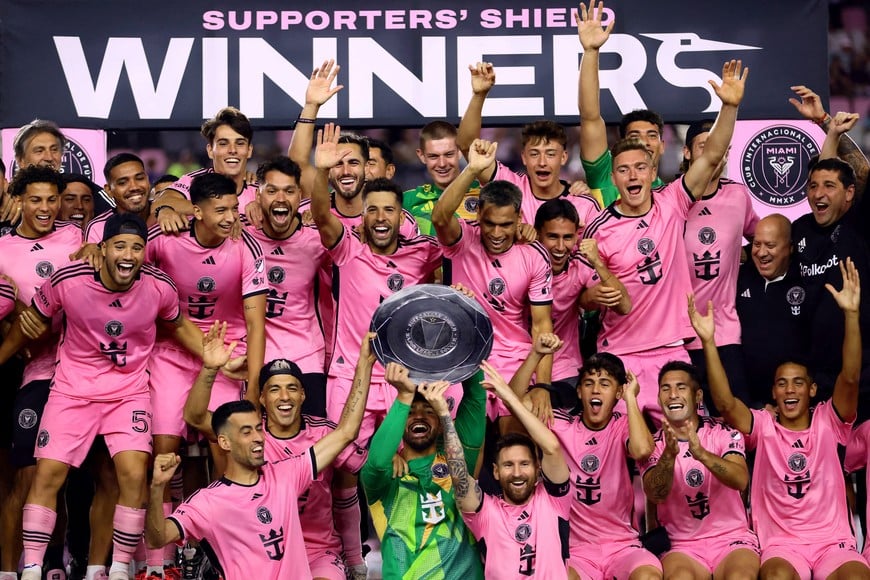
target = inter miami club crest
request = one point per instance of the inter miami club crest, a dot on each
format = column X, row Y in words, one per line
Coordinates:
column 276, row 275
column 42, row 439
column 264, row 515
column 205, row 284
column 27, row 419
column 395, row 282
column 440, row 470
column 523, row 532
column 797, row 462
column 114, row 328
column 775, row 165
column 795, row 297
column 75, row 160
column 471, row 204
column 496, row 286
column 44, row 269
column 646, row 246
column 707, row 235
column 694, row 477
column 589, row 463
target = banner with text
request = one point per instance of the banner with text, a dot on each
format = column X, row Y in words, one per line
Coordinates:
column 125, row 64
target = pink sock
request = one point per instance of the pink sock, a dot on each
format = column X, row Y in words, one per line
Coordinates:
column 38, row 524
column 345, row 510
column 128, row 524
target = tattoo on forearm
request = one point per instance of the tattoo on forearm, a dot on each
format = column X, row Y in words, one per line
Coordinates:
column 660, row 480
column 455, row 458
column 352, row 400
column 848, row 151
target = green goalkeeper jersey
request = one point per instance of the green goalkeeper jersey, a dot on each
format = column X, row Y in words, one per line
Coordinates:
column 420, row 201
column 599, row 180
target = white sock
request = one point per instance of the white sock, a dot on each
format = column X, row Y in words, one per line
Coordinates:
column 91, row 572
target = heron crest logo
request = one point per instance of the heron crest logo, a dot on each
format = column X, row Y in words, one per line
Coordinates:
column 775, row 165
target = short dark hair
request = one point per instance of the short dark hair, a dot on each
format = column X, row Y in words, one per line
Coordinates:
column 211, row 185
column 386, row 150
column 120, row 159
column 500, row 193
column 554, row 209
column 681, row 366
column 544, row 131
column 168, row 178
column 231, row 117
column 792, row 361
column 436, row 130
column 845, row 171
column 359, row 141
column 35, row 174
column 628, row 144
column 281, row 164
column 79, row 178
column 384, row 184
column 31, row 130
column 222, row 414
column 641, row 115
column 604, row 362
column 513, row 439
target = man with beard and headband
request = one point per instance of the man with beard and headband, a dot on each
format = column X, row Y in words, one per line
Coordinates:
column 421, row 530
column 520, row 528
column 250, row 518
column 696, row 476
column 127, row 183
column 100, row 385
column 599, row 445
column 288, row 432
column 798, row 499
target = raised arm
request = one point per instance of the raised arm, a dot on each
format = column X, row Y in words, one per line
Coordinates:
column 845, row 397
column 610, row 292
column 328, row 154
column 319, row 91
column 593, row 131
column 659, row 479
column 215, row 354
column 160, row 531
column 730, row 469
column 731, row 90
column 733, row 410
column 255, row 325
column 640, row 440
column 480, row 156
column 482, row 80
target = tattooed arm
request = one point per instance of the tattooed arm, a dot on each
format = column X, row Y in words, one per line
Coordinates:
column 730, row 469
column 657, row 481
column 466, row 490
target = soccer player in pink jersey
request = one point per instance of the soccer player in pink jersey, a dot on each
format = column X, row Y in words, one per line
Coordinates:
column 543, row 155
column 512, row 281
column 77, row 199
column 717, row 224
column 640, row 238
column 579, row 279
column 696, row 476
column 261, row 533
column 520, row 528
column 799, row 508
column 127, row 183
column 110, row 326
column 599, row 442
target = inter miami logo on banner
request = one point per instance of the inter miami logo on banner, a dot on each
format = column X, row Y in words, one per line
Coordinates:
column 75, row 160
column 775, row 165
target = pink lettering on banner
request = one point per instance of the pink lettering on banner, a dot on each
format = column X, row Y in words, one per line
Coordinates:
column 444, row 19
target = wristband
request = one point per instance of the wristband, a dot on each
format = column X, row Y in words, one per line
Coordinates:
column 546, row 386
column 157, row 211
column 825, row 119
column 301, row 119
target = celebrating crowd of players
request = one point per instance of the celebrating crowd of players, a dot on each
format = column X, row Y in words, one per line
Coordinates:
column 237, row 310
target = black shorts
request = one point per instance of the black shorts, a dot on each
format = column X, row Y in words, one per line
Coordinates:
column 10, row 382
column 29, row 405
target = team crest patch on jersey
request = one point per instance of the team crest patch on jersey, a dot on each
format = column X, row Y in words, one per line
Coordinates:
column 205, row 284
column 797, row 462
column 523, row 532
column 590, row 463
column 276, row 275
column 795, row 295
column 694, row 477
column 497, row 286
column 114, row 328
column 471, row 204
column 395, row 282
column 646, row 246
column 44, row 269
column 264, row 515
column 440, row 470
column 707, row 236
column 775, row 165
column 27, row 419
column 42, row 438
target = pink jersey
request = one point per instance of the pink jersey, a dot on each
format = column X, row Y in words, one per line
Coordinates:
column 506, row 285
column 95, row 228
column 603, row 498
column 182, row 186
column 315, row 505
column 7, row 299
column 254, row 529
column 798, row 496
column 648, row 255
column 30, row 262
column 292, row 322
column 856, row 459
column 717, row 223
column 362, row 280
column 212, row 282
column 699, row 506
column 108, row 336
column 523, row 540
column 586, row 205
column 567, row 286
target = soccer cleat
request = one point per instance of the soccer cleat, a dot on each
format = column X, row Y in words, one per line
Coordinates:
column 192, row 564
column 117, row 575
column 55, row 574
column 32, row 572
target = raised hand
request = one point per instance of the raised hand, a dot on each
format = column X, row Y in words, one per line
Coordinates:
column 329, row 153
column 215, row 352
column 849, row 298
column 165, row 465
column 809, row 105
column 481, row 154
column 482, row 77
column 547, row 343
column 493, row 381
column 632, row 387
column 434, row 394
column 695, row 447
column 463, row 289
column 843, row 122
column 397, row 375
column 320, row 87
column 588, row 248
column 589, row 29
column 733, row 82
column 366, row 353
column 704, row 326
column 672, row 444
column 526, row 233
